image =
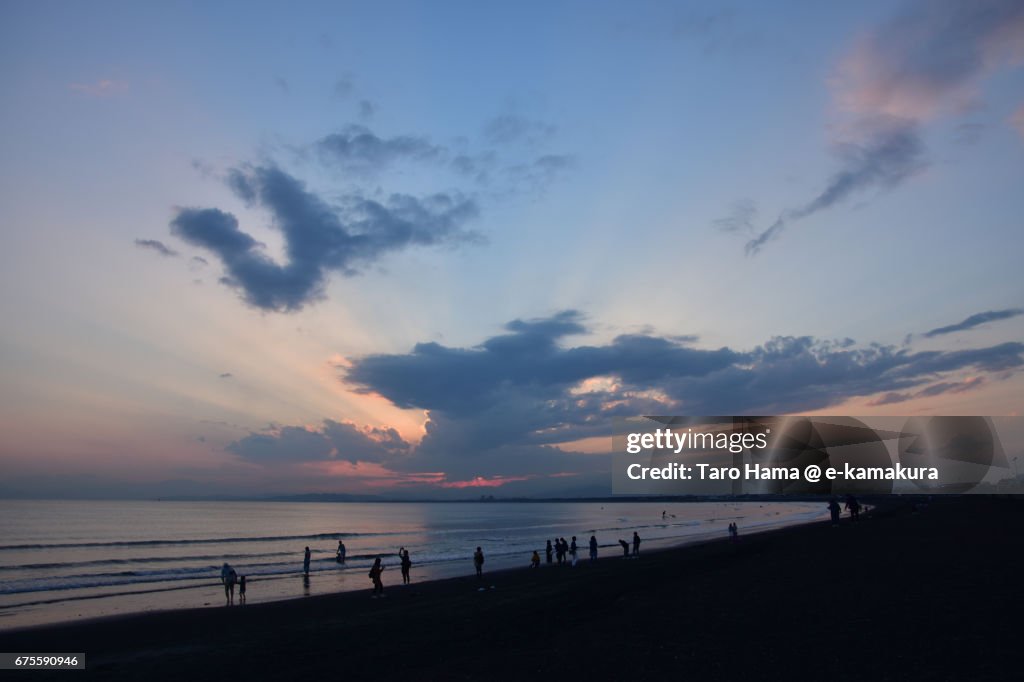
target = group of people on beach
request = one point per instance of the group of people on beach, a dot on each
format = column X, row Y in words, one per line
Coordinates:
column 852, row 506
column 565, row 553
column 636, row 546
column 230, row 577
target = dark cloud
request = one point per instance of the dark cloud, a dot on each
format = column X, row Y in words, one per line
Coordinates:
column 526, row 388
column 225, row 375
column 333, row 440
column 975, row 320
column 367, row 109
column 156, row 245
column 319, row 238
column 889, row 156
column 358, row 149
column 199, row 260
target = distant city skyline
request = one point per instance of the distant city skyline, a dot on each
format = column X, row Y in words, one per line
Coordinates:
column 433, row 250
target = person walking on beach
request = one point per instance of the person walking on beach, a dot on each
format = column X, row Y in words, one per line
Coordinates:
column 572, row 551
column 593, row 549
column 406, row 565
column 375, row 572
column 340, row 556
column 478, row 562
column 853, row 506
column 548, row 551
column 228, row 577
column 305, row 563
column 241, row 590
column 625, row 548
column 535, row 560
column 834, row 510
column 636, row 544
column 559, row 552
column 734, row 532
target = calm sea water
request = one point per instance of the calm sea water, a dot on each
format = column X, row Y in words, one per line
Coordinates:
column 61, row 560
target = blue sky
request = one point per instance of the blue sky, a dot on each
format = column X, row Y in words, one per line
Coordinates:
column 227, row 226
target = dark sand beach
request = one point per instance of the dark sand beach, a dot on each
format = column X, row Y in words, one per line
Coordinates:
column 897, row 596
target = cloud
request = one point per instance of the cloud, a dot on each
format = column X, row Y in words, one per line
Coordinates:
column 930, row 391
column 926, row 62
column 282, row 83
column 930, row 58
column 506, row 412
column 319, row 238
column 331, row 441
column 524, row 390
column 225, row 375
column 156, row 245
column 975, row 320
column 367, row 109
column 510, row 128
column 740, row 218
column 100, row 88
column 1017, row 120
column 343, row 87
column 358, row 149
column 890, row 154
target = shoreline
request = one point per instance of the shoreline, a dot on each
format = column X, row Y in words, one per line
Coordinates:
column 57, row 608
column 897, row 589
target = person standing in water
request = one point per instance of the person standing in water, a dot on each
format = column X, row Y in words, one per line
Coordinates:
column 625, row 548
column 636, row 544
column 593, row 548
column 305, row 563
column 375, row 573
column 572, row 551
column 241, row 590
column 548, row 551
column 478, row 562
column 406, row 565
column 340, row 556
column 535, row 560
column 228, row 577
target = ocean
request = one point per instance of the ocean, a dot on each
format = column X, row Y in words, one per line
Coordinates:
column 64, row 560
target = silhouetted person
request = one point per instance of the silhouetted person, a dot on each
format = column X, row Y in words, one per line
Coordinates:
column 478, row 562
column 853, row 506
column 228, row 577
column 241, row 590
column 340, row 556
column 636, row 544
column 305, row 563
column 535, row 560
column 572, row 551
column 834, row 509
column 593, row 548
column 375, row 573
column 406, row 565
column 548, row 551
column 625, row 548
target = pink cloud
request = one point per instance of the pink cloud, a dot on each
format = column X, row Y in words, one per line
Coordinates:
column 1017, row 120
column 482, row 482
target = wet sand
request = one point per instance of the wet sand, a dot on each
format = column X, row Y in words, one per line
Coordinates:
column 899, row 595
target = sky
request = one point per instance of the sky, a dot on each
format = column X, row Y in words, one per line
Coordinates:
column 437, row 249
